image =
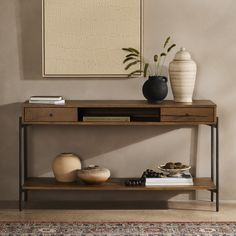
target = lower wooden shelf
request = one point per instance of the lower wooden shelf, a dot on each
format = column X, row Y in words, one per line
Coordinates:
column 113, row 184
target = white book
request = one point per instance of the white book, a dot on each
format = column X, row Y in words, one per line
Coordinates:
column 61, row 102
column 164, row 180
column 168, row 184
column 46, row 98
column 183, row 179
column 168, row 179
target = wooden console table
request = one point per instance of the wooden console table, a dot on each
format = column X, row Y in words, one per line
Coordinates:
column 199, row 112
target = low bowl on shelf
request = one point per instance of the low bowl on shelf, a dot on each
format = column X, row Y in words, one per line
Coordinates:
column 174, row 171
column 93, row 174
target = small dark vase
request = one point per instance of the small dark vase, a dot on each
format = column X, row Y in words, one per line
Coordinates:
column 155, row 88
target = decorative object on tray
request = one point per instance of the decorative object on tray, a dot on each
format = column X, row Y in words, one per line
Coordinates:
column 65, row 167
column 174, row 168
column 155, row 88
column 182, row 72
column 55, row 100
column 93, row 174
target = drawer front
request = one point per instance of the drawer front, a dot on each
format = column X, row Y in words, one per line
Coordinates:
column 38, row 114
column 191, row 114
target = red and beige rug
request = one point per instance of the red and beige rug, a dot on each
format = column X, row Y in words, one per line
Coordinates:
column 122, row 228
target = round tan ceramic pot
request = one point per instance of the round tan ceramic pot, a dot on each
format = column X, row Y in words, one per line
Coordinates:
column 182, row 71
column 65, row 167
column 93, row 174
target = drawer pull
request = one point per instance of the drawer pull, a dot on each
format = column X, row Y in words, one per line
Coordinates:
column 50, row 114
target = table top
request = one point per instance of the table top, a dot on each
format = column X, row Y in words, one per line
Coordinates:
column 125, row 103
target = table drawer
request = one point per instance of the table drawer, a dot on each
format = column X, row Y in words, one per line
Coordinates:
column 190, row 114
column 60, row 114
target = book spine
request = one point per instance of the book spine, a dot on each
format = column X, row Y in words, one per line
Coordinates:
column 45, row 98
column 61, row 102
column 169, row 181
column 107, row 118
column 176, row 183
column 165, row 181
column 168, row 184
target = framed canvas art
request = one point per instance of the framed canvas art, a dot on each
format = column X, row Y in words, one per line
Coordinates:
column 84, row 38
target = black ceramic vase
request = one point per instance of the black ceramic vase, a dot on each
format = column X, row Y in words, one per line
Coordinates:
column 155, row 88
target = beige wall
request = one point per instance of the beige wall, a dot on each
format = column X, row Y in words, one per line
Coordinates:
column 205, row 27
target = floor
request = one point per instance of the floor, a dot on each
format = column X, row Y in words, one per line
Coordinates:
column 178, row 211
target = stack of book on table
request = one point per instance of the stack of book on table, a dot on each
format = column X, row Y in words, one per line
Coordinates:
column 180, row 179
column 56, row 100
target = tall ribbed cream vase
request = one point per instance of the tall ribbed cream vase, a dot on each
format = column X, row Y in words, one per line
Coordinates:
column 182, row 71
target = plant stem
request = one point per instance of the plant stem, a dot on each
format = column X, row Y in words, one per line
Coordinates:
column 150, row 71
column 158, row 65
column 162, row 65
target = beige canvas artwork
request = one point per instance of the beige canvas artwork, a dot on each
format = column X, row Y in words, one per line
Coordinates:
column 85, row 37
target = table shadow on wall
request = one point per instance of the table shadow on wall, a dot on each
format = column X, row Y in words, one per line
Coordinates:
column 107, row 142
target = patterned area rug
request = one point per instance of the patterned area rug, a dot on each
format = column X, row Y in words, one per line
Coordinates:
column 112, row 229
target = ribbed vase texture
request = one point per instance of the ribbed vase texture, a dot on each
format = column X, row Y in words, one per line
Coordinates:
column 182, row 71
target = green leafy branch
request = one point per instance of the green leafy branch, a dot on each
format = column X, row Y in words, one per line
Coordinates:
column 163, row 55
column 134, row 57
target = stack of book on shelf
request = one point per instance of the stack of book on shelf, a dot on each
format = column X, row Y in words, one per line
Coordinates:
column 56, row 100
column 106, row 118
column 179, row 179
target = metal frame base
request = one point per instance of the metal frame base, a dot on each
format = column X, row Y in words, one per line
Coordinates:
column 23, row 162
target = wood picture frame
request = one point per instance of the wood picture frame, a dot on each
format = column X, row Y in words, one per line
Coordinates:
column 84, row 38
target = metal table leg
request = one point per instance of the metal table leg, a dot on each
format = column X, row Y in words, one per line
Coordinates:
column 217, row 164
column 20, row 164
column 25, row 151
column 212, row 160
